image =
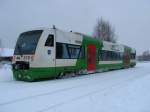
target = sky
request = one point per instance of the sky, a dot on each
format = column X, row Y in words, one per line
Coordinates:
column 130, row 18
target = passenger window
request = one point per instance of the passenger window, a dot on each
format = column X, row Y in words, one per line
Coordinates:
column 50, row 41
column 65, row 52
column 82, row 53
column 74, row 51
column 59, row 50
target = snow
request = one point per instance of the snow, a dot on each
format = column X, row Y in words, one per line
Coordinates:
column 6, row 52
column 125, row 90
column 5, row 72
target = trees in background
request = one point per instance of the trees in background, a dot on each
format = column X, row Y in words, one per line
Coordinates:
column 103, row 30
column 145, row 56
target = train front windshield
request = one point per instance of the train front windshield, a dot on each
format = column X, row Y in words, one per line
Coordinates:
column 27, row 42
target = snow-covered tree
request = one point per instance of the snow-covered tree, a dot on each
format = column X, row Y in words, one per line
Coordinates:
column 103, row 30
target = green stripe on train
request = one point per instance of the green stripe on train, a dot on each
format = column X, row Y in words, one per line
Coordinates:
column 41, row 73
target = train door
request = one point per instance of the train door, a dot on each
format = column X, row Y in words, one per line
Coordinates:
column 91, row 58
column 50, row 47
column 126, row 58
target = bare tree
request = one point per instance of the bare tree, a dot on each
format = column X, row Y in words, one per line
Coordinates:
column 145, row 56
column 104, row 31
column 146, row 53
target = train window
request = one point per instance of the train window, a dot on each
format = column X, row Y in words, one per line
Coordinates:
column 50, row 41
column 104, row 55
column 61, row 51
column 74, row 51
column 119, row 56
column 68, row 51
column 113, row 55
column 116, row 56
column 27, row 42
column 100, row 55
column 82, row 52
column 65, row 52
column 132, row 56
column 108, row 56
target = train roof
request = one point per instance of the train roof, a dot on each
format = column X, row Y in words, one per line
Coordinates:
column 107, row 45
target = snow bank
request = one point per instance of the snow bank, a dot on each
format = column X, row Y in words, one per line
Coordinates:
column 5, row 72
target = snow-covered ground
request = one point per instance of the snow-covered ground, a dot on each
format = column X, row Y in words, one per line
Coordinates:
column 126, row 90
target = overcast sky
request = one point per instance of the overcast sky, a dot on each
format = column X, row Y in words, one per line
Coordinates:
column 131, row 18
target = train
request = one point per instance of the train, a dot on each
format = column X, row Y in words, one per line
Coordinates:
column 47, row 53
